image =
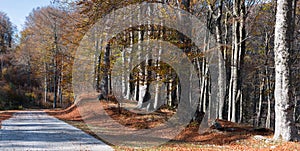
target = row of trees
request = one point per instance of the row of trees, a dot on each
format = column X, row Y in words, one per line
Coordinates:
column 245, row 33
column 256, row 84
column 44, row 52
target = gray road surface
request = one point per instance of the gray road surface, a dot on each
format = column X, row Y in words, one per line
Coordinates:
column 35, row 130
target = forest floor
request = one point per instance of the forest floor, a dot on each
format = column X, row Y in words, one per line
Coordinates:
column 240, row 137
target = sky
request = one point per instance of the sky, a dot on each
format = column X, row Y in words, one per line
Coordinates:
column 17, row 10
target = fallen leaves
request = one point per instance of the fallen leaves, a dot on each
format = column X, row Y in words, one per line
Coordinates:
column 241, row 137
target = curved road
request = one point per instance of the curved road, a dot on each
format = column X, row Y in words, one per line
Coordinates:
column 36, row 130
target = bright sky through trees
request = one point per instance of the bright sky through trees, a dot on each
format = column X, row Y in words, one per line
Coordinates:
column 17, row 10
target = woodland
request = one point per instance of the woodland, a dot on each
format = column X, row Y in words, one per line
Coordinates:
column 258, row 42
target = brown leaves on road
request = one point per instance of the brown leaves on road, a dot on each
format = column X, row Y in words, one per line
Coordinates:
column 5, row 115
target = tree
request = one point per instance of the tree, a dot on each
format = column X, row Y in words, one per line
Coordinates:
column 263, row 80
column 284, row 103
column 6, row 37
column 238, row 50
column 47, row 45
column 215, row 13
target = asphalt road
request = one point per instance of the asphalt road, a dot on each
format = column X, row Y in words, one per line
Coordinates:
column 36, row 130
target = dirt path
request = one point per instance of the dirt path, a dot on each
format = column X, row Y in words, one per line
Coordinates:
column 36, row 130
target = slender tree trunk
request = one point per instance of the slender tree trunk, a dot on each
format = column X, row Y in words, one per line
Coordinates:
column 158, row 76
column 242, row 48
column 268, row 87
column 131, row 37
column 268, row 120
column 140, row 80
column 1, row 64
column 170, row 86
column 259, row 112
column 234, row 70
column 227, row 70
column 96, row 57
column 238, row 48
column 45, row 82
column 124, row 68
column 109, row 76
column 221, row 76
column 203, row 92
column 60, row 84
column 199, row 73
column 241, row 107
column 55, row 60
column 98, row 73
column 55, row 87
column 148, row 64
column 105, row 70
column 59, row 91
column 229, row 100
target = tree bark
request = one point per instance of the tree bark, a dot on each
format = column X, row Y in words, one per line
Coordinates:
column 157, row 101
column 269, row 118
column 124, row 68
column 55, row 62
column 45, row 82
column 141, row 88
column 238, row 49
column 260, row 100
column 131, row 42
column 284, row 103
column 104, row 84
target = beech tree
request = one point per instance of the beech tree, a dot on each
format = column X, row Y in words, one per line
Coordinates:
column 284, row 102
column 249, row 87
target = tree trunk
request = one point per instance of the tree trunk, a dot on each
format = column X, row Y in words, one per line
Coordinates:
column 129, row 89
column 260, row 100
column 268, row 87
column 60, row 94
column 284, row 103
column 55, row 88
column 241, row 107
column 124, row 68
column 217, row 18
column 1, row 64
column 268, row 120
column 55, row 62
column 242, row 47
column 105, row 70
column 221, row 79
column 45, row 82
column 141, row 88
column 170, row 86
column 98, row 73
column 157, row 101
column 238, row 48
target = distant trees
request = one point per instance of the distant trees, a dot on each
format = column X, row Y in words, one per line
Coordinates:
column 6, row 38
column 260, row 63
column 48, row 48
column 7, row 31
